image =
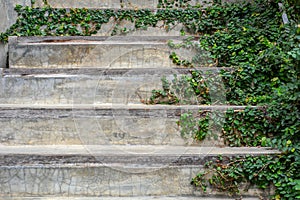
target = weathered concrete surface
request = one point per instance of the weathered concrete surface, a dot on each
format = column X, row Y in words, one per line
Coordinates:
column 3, row 55
column 98, row 181
column 63, row 88
column 7, row 17
column 131, row 4
column 90, row 86
column 114, row 153
column 98, row 52
column 100, row 125
column 108, row 170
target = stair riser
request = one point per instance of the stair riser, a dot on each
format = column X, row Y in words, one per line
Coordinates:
column 75, row 90
column 100, row 181
column 90, row 181
column 125, row 87
column 103, row 52
column 94, row 127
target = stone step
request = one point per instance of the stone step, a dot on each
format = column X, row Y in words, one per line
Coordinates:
column 90, row 86
column 110, row 171
column 114, row 4
column 97, row 52
column 103, row 124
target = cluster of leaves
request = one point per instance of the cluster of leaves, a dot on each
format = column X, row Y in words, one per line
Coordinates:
column 189, row 88
column 202, row 125
column 249, row 127
column 196, row 127
column 257, row 43
column 190, row 43
column 238, row 128
column 173, row 3
column 248, row 37
column 164, row 96
column 228, row 174
column 177, row 61
column 251, row 38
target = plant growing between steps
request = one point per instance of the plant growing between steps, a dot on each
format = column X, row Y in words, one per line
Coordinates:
column 192, row 44
column 238, row 128
column 164, row 96
column 191, row 88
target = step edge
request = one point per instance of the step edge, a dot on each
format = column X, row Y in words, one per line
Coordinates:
column 95, row 71
column 119, row 106
column 132, row 150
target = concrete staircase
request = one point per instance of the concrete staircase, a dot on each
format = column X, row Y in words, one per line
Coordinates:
column 73, row 125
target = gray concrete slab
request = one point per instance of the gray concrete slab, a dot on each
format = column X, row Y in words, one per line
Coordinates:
column 104, row 181
column 98, row 52
column 161, row 151
column 102, row 124
column 94, row 86
column 110, row 171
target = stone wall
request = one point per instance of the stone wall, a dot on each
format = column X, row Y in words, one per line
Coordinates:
column 7, row 18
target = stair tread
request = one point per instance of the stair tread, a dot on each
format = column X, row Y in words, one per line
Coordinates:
column 120, row 106
column 134, row 157
column 132, row 150
column 108, row 52
column 88, row 39
column 69, row 72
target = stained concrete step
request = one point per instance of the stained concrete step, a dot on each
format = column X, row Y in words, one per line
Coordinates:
column 110, row 171
column 97, row 52
column 103, row 124
column 117, row 4
column 89, row 86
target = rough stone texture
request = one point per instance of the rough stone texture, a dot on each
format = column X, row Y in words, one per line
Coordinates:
column 91, row 86
column 99, row 52
column 7, row 17
column 92, row 181
column 99, row 125
column 79, row 89
column 92, row 130
column 138, row 175
column 3, row 55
